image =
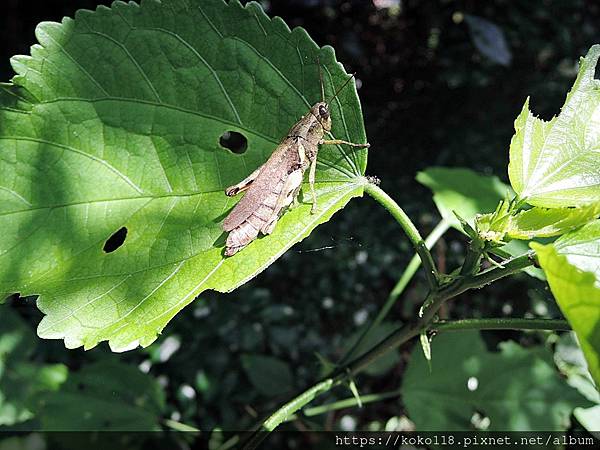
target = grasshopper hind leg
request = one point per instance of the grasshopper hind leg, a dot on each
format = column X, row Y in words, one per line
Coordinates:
column 242, row 185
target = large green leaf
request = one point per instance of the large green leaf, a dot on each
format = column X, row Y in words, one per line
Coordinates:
column 517, row 389
column 22, row 381
column 555, row 164
column 572, row 267
column 115, row 121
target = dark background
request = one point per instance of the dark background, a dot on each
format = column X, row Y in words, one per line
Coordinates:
column 430, row 97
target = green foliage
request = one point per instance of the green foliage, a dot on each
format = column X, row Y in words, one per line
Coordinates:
column 516, row 389
column 462, row 191
column 542, row 222
column 377, row 334
column 555, row 164
column 107, row 396
column 57, row 247
column 22, row 381
column 114, row 121
column 270, row 376
column 509, row 222
column 571, row 362
column 572, row 266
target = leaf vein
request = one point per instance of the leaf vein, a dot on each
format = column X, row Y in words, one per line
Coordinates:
column 80, row 152
column 132, row 59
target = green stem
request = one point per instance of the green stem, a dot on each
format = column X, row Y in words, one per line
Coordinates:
column 279, row 416
column 472, row 261
column 454, row 325
column 501, row 324
column 509, row 267
column 447, row 325
column 407, row 275
column 433, row 302
column 409, row 229
column 349, row 402
column 435, row 235
column 178, row 426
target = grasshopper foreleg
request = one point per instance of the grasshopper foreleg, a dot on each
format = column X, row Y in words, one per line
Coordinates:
column 341, row 141
column 242, row 185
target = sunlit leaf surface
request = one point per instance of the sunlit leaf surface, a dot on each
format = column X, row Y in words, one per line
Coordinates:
column 113, row 125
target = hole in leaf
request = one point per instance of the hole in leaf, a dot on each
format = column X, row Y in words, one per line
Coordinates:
column 116, row 240
column 234, row 141
column 597, row 72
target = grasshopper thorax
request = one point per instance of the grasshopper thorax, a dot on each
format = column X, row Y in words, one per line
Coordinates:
column 313, row 125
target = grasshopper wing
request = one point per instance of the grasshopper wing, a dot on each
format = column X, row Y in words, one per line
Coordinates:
column 267, row 184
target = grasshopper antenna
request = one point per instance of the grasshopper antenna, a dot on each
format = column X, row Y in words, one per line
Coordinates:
column 341, row 87
column 321, row 79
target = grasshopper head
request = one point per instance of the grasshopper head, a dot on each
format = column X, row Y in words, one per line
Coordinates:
column 321, row 112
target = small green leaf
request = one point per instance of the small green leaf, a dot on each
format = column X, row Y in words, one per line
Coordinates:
column 270, row 376
column 541, row 222
column 555, row 164
column 112, row 127
column 492, row 227
column 105, row 396
column 462, row 191
column 325, row 365
column 572, row 267
column 426, row 346
column 536, row 222
column 355, row 393
column 517, row 389
column 466, row 227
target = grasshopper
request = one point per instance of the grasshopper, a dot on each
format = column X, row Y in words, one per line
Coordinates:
column 274, row 186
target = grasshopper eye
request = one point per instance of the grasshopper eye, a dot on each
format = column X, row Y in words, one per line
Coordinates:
column 324, row 111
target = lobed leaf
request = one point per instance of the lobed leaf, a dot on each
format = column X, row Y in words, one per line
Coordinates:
column 555, row 164
column 113, row 124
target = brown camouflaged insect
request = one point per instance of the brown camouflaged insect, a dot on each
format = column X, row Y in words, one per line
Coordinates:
column 274, row 186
